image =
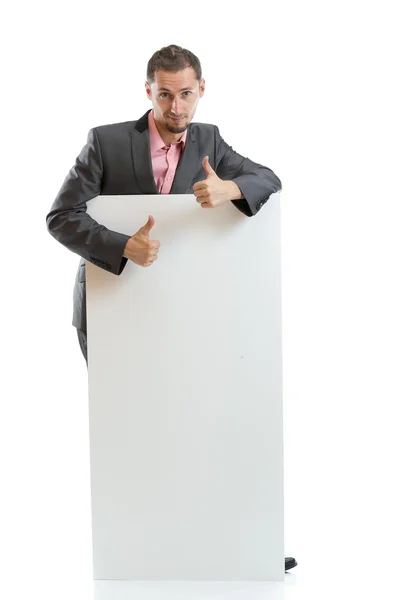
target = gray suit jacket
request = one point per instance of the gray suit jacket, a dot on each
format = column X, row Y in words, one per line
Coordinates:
column 116, row 161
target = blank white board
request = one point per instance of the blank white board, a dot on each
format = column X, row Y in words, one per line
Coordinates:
column 185, row 395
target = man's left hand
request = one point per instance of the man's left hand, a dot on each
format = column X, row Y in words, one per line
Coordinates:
column 213, row 191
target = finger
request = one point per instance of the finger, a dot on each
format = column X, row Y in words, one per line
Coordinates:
column 207, row 166
column 202, row 193
column 205, row 198
column 146, row 228
column 150, row 261
column 199, row 185
column 206, row 205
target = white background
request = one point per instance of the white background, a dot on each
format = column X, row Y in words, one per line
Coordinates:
column 310, row 90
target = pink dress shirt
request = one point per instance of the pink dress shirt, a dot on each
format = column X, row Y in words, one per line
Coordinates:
column 164, row 158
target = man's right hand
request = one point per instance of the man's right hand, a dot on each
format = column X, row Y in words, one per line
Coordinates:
column 140, row 249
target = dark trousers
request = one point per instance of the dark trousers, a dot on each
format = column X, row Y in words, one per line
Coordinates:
column 82, row 337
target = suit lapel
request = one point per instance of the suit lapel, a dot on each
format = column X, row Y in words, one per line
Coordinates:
column 187, row 166
column 186, row 169
column 142, row 157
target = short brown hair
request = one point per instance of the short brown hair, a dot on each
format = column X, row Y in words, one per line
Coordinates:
column 172, row 58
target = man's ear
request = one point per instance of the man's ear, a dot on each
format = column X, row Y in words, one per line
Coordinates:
column 148, row 90
column 202, row 87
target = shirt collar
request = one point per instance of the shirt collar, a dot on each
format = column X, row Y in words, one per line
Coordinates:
column 156, row 141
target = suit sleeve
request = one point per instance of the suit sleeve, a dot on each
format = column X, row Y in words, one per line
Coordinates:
column 255, row 181
column 68, row 221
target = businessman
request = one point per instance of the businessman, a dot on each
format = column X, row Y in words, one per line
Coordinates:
column 162, row 152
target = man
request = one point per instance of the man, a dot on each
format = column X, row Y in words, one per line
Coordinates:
column 163, row 152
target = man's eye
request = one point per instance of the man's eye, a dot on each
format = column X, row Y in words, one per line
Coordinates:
column 165, row 94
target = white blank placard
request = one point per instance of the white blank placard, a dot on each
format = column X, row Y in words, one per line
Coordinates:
column 185, row 395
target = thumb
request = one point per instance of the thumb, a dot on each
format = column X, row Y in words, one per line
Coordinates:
column 146, row 228
column 207, row 167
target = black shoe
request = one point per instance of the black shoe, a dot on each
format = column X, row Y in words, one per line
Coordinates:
column 290, row 563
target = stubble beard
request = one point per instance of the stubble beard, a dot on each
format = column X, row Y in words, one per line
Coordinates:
column 175, row 128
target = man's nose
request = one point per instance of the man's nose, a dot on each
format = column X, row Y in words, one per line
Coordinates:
column 176, row 106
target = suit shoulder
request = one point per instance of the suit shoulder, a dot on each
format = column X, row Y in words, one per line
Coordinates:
column 203, row 126
column 115, row 128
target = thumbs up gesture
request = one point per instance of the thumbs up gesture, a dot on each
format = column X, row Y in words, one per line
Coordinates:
column 213, row 191
column 140, row 249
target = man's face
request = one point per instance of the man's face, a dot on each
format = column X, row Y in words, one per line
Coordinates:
column 174, row 97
